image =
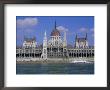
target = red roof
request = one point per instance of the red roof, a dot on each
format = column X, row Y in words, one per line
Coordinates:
column 55, row 33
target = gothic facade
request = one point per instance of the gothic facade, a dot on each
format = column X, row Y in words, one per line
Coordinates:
column 55, row 47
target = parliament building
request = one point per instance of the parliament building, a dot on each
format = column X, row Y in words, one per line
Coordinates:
column 55, row 47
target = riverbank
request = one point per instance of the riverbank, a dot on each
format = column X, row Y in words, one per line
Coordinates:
column 53, row 60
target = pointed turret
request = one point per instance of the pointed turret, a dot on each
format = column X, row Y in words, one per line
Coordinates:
column 76, row 37
column 45, row 34
column 44, row 53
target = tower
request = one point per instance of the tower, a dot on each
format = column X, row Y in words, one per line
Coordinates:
column 65, row 51
column 44, row 53
column 65, row 41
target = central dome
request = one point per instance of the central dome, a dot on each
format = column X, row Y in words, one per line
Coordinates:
column 55, row 32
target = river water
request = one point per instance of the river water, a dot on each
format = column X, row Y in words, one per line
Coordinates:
column 67, row 68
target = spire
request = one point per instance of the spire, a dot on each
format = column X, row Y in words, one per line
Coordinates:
column 55, row 25
column 45, row 34
column 44, row 52
column 75, row 40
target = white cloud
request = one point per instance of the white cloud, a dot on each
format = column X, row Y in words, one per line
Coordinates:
column 26, row 22
column 83, row 30
column 61, row 28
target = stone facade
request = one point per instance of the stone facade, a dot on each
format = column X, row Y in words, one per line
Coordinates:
column 55, row 47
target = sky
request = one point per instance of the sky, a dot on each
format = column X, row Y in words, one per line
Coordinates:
column 35, row 26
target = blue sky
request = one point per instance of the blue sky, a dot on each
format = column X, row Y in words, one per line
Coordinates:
column 35, row 26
